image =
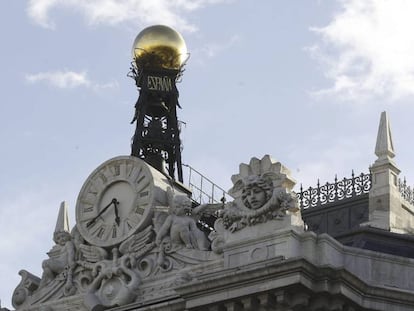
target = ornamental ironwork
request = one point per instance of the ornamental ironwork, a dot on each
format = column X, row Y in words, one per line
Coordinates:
column 336, row 191
column 407, row 193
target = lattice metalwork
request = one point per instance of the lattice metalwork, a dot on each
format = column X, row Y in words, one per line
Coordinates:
column 157, row 135
column 336, row 191
column 407, row 193
column 203, row 189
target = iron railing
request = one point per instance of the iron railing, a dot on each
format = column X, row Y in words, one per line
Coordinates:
column 336, row 191
column 203, row 189
column 407, row 193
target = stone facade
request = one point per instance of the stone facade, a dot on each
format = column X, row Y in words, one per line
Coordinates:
column 260, row 255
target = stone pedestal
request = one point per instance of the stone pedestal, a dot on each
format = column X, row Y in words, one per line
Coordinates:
column 260, row 242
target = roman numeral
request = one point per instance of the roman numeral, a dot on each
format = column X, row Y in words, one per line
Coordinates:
column 128, row 169
column 141, row 188
column 136, row 175
column 88, row 209
column 128, row 225
column 93, row 227
column 132, row 221
column 87, row 201
column 139, row 210
column 89, row 198
column 101, row 232
column 103, row 178
column 93, row 192
column 116, row 169
column 96, row 186
column 140, row 179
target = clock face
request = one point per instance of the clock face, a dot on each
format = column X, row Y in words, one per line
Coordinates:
column 115, row 201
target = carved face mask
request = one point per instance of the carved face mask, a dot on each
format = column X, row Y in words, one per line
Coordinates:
column 61, row 238
column 256, row 197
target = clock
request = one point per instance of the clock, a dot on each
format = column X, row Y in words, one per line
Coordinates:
column 116, row 200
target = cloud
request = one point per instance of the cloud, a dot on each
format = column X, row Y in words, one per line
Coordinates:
column 112, row 12
column 67, row 80
column 215, row 48
column 212, row 49
column 366, row 50
column 60, row 79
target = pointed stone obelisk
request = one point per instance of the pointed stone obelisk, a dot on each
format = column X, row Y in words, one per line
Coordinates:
column 384, row 148
column 385, row 206
column 62, row 222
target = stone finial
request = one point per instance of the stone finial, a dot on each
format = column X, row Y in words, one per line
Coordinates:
column 385, row 205
column 62, row 223
column 384, row 147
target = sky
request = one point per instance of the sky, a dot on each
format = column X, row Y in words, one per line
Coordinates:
column 304, row 81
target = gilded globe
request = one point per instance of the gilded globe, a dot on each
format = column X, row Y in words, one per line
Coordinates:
column 159, row 46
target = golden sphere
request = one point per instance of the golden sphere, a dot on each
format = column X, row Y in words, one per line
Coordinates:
column 159, row 47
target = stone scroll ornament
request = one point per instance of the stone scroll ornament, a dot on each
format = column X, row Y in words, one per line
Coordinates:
column 115, row 281
column 262, row 191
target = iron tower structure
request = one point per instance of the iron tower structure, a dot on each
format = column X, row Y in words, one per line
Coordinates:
column 159, row 54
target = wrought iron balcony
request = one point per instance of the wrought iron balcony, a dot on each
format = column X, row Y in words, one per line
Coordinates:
column 336, row 191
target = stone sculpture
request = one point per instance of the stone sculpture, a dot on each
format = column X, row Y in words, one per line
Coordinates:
column 62, row 255
column 262, row 192
column 27, row 286
column 99, row 277
column 104, row 277
column 179, row 228
column 57, row 279
column 114, row 281
column 115, row 284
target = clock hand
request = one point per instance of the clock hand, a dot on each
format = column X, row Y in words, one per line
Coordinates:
column 93, row 220
column 117, row 219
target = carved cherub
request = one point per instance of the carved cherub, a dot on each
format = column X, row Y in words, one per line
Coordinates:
column 62, row 256
column 179, row 226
